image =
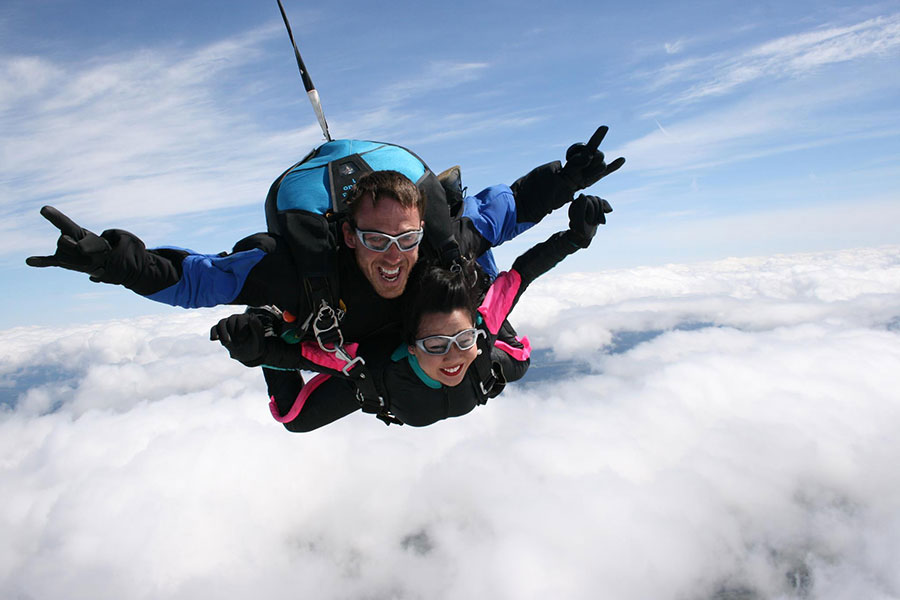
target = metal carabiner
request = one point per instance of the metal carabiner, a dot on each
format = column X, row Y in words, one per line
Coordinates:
column 330, row 316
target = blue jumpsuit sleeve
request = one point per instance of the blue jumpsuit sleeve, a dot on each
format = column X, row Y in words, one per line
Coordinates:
column 209, row 279
column 493, row 213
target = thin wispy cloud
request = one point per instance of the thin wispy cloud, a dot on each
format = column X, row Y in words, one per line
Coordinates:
column 461, row 125
column 136, row 134
column 674, row 47
column 147, row 134
column 24, row 77
column 437, row 76
column 768, row 122
column 790, row 56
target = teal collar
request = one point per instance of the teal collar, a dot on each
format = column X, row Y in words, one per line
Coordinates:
column 402, row 352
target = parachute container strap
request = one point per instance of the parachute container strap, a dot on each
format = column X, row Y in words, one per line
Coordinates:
column 487, row 379
column 451, row 181
column 272, row 224
column 438, row 224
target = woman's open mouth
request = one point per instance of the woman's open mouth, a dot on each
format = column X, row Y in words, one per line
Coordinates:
column 452, row 371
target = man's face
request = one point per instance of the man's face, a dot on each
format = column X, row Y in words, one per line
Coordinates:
column 387, row 271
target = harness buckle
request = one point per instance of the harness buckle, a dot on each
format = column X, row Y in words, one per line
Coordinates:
column 369, row 404
column 351, row 362
column 376, row 406
column 485, row 389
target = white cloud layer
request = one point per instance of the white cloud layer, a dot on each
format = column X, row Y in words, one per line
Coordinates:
column 733, row 437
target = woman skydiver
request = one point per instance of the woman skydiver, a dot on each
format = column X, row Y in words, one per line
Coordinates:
column 459, row 349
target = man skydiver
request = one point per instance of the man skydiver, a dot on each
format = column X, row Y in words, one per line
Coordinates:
column 256, row 272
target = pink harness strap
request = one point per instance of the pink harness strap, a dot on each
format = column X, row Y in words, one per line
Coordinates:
column 307, row 390
column 520, row 354
column 313, row 353
column 499, row 299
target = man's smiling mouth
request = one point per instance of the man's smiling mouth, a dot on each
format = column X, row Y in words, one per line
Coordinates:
column 390, row 275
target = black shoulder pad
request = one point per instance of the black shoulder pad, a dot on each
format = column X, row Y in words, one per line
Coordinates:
column 275, row 280
column 266, row 242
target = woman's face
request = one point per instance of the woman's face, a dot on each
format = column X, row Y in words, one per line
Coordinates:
column 449, row 368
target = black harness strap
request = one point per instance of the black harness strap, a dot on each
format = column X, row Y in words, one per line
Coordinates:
column 370, row 401
column 438, row 224
column 487, row 378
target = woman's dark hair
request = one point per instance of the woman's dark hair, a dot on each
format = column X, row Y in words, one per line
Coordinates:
column 434, row 289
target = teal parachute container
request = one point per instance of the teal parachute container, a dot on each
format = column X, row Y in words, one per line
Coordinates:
column 320, row 183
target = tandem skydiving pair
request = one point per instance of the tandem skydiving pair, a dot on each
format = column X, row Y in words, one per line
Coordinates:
column 374, row 272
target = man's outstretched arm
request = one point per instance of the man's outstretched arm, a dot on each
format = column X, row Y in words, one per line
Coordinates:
column 256, row 272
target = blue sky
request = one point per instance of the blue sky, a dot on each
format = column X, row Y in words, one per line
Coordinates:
column 749, row 130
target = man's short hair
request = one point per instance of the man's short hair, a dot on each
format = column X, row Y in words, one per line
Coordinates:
column 385, row 184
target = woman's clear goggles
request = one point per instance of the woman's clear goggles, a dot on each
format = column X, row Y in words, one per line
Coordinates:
column 440, row 344
column 381, row 242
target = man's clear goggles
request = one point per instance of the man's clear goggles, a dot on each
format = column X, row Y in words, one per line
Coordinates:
column 440, row 344
column 381, row 242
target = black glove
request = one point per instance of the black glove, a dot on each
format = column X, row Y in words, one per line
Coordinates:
column 77, row 249
column 585, row 214
column 115, row 256
column 548, row 187
column 585, row 164
column 244, row 335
